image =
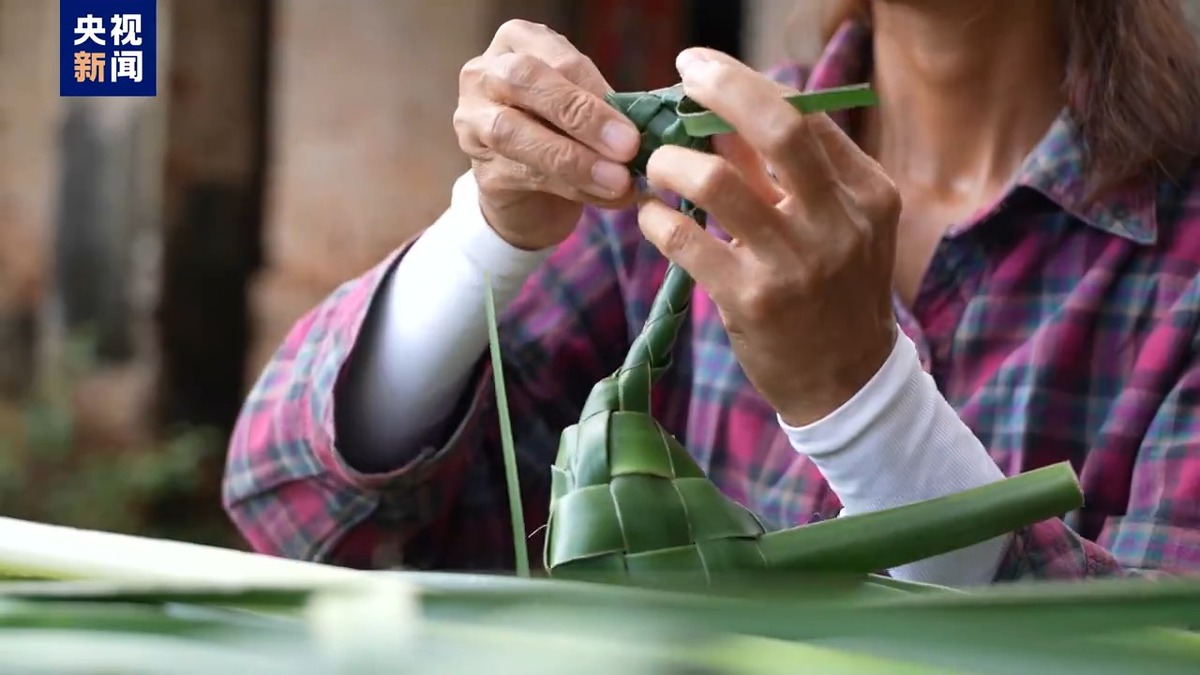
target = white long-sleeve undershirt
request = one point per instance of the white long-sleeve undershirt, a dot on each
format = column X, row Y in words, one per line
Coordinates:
column 896, row 442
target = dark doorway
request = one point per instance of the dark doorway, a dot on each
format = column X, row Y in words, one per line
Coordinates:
column 214, row 229
column 634, row 42
column 717, row 24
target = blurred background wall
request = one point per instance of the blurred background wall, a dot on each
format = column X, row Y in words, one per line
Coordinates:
column 154, row 251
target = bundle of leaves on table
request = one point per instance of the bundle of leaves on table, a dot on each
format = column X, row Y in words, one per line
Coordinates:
column 648, row 567
column 139, row 606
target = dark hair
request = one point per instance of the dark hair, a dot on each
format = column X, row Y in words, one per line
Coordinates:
column 1132, row 84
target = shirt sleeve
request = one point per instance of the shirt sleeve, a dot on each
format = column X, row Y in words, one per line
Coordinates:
column 290, row 491
column 895, row 442
column 1159, row 533
column 418, row 350
column 898, row 441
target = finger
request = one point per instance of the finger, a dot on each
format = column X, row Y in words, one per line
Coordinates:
column 714, row 184
column 854, row 166
column 521, row 80
column 501, row 174
column 617, row 137
column 747, row 160
column 840, row 149
column 514, row 134
column 752, row 105
column 711, row 262
column 873, row 191
column 554, row 49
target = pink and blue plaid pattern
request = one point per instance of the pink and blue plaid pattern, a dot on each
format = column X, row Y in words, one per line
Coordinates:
column 1058, row 329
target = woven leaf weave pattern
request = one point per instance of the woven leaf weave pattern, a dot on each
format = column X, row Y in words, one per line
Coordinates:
column 627, row 499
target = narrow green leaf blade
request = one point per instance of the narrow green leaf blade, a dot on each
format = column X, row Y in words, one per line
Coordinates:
column 506, row 440
column 699, row 121
column 39, row 551
column 751, row 655
column 869, row 542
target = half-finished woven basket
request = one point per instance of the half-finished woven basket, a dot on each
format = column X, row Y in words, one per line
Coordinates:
column 628, row 501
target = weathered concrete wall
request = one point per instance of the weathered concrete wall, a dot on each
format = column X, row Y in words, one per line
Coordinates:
column 213, row 211
column 362, row 155
column 363, row 151
column 107, row 245
column 79, row 208
column 29, row 118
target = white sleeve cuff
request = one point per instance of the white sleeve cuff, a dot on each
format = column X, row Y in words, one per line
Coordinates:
column 898, row 441
column 478, row 243
column 433, row 326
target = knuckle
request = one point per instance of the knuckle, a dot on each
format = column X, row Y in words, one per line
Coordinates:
column 575, row 111
column 885, row 204
column 715, row 179
column 842, row 248
column 471, row 74
column 536, row 27
column 505, row 176
column 462, row 124
column 762, row 298
column 789, row 134
column 516, row 70
column 528, row 176
column 466, row 131
column 514, row 27
column 500, row 130
column 574, row 65
column 754, row 302
column 559, row 159
column 677, row 237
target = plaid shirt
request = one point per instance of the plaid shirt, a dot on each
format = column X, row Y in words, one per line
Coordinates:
column 1057, row 329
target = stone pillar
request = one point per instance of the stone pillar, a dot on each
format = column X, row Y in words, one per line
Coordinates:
column 79, row 209
column 107, row 241
column 213, row 211
column 29, row 116
column 363, row 148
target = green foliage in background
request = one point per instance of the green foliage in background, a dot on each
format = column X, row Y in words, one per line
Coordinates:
column 50, row 473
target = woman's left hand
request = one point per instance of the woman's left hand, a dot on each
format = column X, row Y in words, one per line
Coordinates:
column 804, row 287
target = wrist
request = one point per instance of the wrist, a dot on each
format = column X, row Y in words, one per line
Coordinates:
column 466, row 230
column 860, row 415
column 527, row 222
column 844, row 381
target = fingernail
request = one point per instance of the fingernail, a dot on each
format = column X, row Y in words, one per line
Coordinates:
column 620, row 138
column 687, row 59
column 610, row 175
column 699, row 72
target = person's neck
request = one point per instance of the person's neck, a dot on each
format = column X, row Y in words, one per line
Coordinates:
column 968, row 89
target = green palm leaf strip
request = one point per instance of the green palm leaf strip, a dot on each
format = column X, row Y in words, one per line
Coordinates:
column 699, row 122
column 628, row 501
column 176, row 612
column 512, row 480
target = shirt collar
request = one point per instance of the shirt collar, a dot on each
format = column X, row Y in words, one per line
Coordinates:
column 1054, row 168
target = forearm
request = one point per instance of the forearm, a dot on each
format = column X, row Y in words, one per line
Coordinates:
column 421, row 342
column 897, row 442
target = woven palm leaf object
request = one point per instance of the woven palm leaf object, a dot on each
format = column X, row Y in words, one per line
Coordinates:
column 630, row 504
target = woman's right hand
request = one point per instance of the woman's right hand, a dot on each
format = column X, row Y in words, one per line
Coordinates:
column 542, row 141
